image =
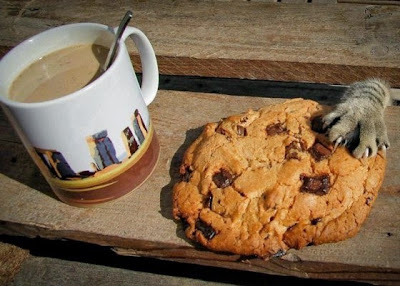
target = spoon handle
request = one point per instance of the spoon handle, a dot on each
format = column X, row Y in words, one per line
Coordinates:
column 113, row 49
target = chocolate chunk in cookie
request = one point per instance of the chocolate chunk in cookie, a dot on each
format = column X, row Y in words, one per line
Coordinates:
column 318, row 185
column 222, row 178
column 320, row 151
column 208, row 201
column 316, row 220
column 205, row 229
column 274, row 129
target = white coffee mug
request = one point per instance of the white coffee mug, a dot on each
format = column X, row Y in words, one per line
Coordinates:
column 98, row 143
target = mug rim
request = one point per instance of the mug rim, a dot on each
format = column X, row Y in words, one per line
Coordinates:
column 70, row 96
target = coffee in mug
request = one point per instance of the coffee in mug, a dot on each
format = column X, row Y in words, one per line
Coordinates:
column 59, row 73
column 91, row 136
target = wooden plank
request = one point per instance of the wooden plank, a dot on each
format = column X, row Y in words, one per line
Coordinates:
column 293, row 1
column 324, row 1
column 70, row 267
column 66, row 263
column 141, row 223
column 11, row 260
column 372, row 2
column 239, row 39
column 51, row 271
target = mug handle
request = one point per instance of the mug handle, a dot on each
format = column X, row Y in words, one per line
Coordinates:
column 148, row 59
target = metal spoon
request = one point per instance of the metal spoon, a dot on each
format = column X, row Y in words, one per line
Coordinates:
column 114, row 46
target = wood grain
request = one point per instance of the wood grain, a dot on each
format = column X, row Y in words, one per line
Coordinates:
column 325, row 43
column 11, row 260
column 141, row 223
column 371, row 2
column 51, row 271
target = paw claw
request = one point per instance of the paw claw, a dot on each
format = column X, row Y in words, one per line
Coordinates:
column 384, row 148
column 366, row 153
column 337, row 143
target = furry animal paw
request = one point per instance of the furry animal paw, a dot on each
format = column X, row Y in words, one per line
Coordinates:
column 357, row 122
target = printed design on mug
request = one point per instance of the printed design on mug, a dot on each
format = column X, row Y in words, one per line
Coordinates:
column 101, row 149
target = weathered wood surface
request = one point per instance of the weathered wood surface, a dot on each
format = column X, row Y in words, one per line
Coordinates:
column 81, row 264
column 141, row 223
column 326, row 43
column 371, row 2
column 18, row 267
column 11, row 260
column 50, row 271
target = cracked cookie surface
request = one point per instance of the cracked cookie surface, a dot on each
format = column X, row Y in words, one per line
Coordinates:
column 262, row 182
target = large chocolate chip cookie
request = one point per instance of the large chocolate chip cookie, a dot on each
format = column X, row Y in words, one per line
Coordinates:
column 265, row 181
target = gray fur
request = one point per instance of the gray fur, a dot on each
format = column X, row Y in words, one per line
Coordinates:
column 357, row 120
